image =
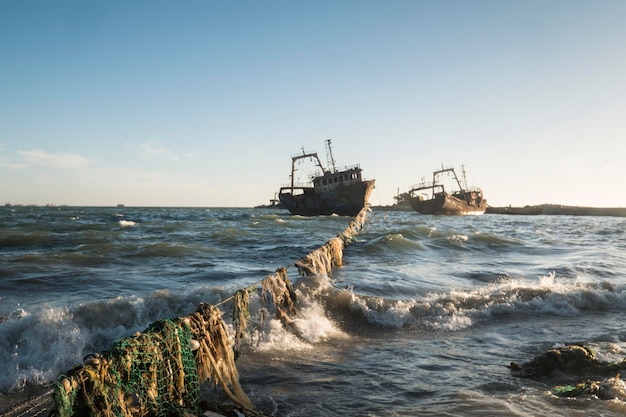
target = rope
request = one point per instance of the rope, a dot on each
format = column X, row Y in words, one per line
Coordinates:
column 31, row 407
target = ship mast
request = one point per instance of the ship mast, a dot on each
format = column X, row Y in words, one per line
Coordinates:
column 329, row 156
column 464, row 188
column 464, row 176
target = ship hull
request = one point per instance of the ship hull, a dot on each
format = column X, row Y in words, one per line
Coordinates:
column 444, row 203
column 346, row 200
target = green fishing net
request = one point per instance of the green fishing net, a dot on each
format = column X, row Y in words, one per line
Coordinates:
column 151, row 374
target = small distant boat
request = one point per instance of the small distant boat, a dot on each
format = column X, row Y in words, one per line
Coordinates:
column 274, row 204
column 433, row 198
column 343, row 192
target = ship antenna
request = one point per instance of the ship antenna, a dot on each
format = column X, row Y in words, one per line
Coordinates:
column 464, row 176
column 329, row 155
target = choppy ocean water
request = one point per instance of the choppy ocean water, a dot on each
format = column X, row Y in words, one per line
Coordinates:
column 422, row 319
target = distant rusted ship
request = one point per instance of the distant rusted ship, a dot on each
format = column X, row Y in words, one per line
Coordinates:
column 433, row 198
column 343, row 192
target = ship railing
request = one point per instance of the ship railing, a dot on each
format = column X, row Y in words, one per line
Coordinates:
column 318, row 173
column 295, row 185
column 297, row 189
column 474, row 189
column 349, row 168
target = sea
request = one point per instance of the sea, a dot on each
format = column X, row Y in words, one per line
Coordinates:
column 423, row 318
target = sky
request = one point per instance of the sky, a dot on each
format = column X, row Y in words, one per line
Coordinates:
column 203, row 103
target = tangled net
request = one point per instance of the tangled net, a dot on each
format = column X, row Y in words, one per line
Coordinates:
column 153, row 373
column 158, row 372
column 573, row 362
column 569, row 359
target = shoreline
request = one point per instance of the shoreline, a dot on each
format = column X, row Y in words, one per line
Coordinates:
column 535, row 210
column 558, row 209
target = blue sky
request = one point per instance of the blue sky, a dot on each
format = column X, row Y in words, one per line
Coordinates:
column 203, row 103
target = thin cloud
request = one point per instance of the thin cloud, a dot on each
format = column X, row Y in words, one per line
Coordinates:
column 148, row 151
column 13, row 166
column 55, row 160
column 151, row 151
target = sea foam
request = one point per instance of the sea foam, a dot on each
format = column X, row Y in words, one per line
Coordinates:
column 459, row 309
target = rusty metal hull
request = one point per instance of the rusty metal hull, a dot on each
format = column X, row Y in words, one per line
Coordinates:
column 444, row 203
column 347, row 200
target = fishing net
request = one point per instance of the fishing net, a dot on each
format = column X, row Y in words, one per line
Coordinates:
column 278, row 290
column 158, row 372
column 240, row 316
column 215, row 358
column 576, row 361
column 606, row 389
column 569, row 359
column 322, row 260
column 150, row 374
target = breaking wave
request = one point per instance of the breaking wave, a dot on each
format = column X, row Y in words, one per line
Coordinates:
column 514, row 298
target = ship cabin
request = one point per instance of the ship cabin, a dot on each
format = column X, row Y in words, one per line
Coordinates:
column 331, row 180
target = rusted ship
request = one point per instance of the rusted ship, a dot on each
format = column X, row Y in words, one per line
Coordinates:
column 434, row 198
column 332, row 191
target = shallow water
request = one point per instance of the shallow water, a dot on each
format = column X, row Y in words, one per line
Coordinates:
column 422, row 319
